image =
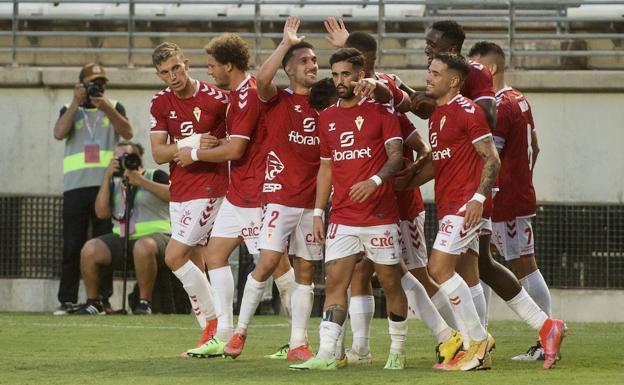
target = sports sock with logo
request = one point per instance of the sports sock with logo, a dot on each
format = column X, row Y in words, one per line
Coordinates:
column 419, row 301
column 461, row 300
column 223, row 283
column 199, row 291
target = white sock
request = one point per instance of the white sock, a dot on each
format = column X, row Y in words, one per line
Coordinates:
column 252, row 295
column 340, row 350
column 285, row 284
column 361, row 311
column 199, row 291
column 329, row 333
column 537, row 288
column 442, row 303
column 463, row 306
column 524, row 306
column 479, row 301
column 301, row 302
column 419, row 302
column 398, row 335
column 487, row 294
column 223, row 283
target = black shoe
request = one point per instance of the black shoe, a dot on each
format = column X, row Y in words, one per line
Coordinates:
column 91, row 307
column 144, row 307
column 65, row 308
column 108, row 308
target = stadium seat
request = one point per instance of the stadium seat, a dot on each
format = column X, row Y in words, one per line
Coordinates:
column 596, row 10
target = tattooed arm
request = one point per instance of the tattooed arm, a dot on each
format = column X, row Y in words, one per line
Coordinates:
column 487, row 151
column 361, row 191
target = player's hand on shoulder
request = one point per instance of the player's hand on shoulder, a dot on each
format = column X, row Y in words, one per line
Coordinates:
column 208, row 141
column 337, row 31
column 423, row 105
column 183, row 157
column 363, row 190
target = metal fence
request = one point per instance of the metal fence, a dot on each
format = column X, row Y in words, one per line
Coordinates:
column 577, row 246
column 567, row 32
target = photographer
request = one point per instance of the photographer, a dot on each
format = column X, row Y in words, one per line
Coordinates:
column 147, row 192
column 90, row 126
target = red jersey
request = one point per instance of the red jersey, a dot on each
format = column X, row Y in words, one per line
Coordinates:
column 354, row 140
column 512, row 136
column 478, row 85
column 390, row 82
column 453, row 129
column 292, row 161
column 244, row 120
column 179, row 118
column 410, row 201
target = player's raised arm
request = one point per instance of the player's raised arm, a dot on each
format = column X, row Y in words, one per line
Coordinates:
column 264, row 79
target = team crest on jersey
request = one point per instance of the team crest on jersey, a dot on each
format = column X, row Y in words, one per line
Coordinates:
column 172, row 115
column 359, row 121
column 442, row 121
column 297, row 107
column 274, row 166
column 197, row 113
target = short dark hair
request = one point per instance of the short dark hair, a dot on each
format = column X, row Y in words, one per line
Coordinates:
column 322, row 94
column 485, row 48
column 363, row 41
column 451, row 31
column 454, row 62
column 291, row 51
column 137, row 148
column 229, row 48
column 350, row 55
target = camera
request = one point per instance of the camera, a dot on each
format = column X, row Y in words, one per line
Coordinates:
column 94, row 89
column 127, row 161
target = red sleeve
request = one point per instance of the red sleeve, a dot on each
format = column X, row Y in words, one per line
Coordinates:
column 407, row 128
column 246, row 113
column 158, row 120
column 503, row 122
column 530, row 118
column 479, row 83
column 397, row 94
column 325, row 150
column 476, row 125
column 274, row 100
column 390, row 125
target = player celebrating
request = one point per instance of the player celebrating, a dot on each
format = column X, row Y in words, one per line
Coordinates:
column 423, row 294
column 465, row 164
column 361, row 148
column 180, row 114
column 514, row 205
column 289, row 189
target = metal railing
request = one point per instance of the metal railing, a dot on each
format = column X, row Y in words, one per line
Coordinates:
column 516, row 24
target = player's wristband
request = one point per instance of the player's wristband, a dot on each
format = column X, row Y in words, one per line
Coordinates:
column 376, row 179
column 319, row 212
column 194, row 155
column 478, row 197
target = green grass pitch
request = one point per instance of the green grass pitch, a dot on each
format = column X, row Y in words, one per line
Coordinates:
column 43, row 349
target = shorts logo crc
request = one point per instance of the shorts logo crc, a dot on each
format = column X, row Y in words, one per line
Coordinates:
column 446, row 227
column 386, row 241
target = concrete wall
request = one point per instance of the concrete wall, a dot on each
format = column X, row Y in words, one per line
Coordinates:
column 579, row 117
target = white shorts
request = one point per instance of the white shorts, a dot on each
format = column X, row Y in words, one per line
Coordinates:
column 291, row 227
column 239, row 222
column 192, row 221
column 413, row 245
column 486, row 226
column 453, row 239
column 514, row 238
column 379, row 243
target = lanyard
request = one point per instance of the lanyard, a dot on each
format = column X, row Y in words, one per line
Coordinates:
column 91, row 128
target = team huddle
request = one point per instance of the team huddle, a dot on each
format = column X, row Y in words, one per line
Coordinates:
column 255, row 163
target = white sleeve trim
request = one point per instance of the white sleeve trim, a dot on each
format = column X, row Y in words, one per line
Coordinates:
column 393, row 138
column 159, row 132
column 240, row 136
column 325, row 158
column 481, row 138
column 485, row 97
column 411, row 134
